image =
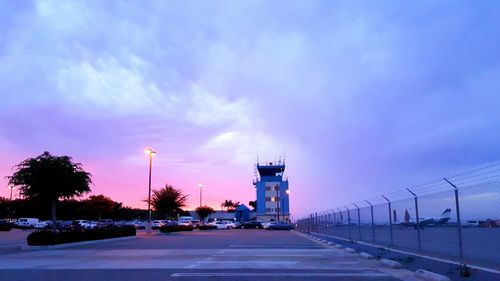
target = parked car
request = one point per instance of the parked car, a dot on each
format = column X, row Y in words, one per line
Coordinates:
column 235, row 224
column 279, row 225
column 253, row 225
column 196, row 223
column 184, row 222
column 42, row 225
column 105, row 223
column 89, row 224
column 221, row 224
column 27, row 222
column 265, row 225
column 156, row 224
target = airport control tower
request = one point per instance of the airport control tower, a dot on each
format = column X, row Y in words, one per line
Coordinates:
column 272, row 192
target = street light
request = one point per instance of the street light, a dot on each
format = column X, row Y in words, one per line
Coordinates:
column 151, row 153
column 11, row 187
column 200, row 185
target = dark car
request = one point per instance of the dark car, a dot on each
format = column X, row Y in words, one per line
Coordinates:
column 279, row 225
column 253, row 225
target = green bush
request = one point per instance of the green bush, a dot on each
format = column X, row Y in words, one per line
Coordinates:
column 207, row 227
column 47, row 237
column 175, row 228
column 6, row 226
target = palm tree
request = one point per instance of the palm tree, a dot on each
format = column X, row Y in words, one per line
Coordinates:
column 227, row 204
column 48, row 178
column 168, row 201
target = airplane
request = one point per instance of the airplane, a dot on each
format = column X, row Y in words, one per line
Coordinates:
column 443, row 219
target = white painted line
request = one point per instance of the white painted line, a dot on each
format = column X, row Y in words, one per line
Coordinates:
column 267, row 255
column 430, row 276
column 249, row 262
column 390, row 263
column 279, row 274
column 487, row 269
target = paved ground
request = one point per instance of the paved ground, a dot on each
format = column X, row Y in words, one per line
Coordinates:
column 208, row 255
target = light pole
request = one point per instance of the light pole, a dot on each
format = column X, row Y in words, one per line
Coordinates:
column 11, row 187
column 278, row 199
column 287, row 196
column 200, row 185
column 151, row 153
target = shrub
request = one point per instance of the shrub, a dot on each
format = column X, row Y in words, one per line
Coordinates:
column 207, row 227
column 175, row 228
column 6, row 226
column 45, row 237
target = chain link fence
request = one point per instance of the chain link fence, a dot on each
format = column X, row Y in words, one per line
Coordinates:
column 457, row 218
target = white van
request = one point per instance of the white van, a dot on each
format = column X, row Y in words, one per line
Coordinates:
column 27, row 222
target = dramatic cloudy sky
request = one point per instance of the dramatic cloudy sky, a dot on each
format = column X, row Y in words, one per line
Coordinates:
column 362, row 98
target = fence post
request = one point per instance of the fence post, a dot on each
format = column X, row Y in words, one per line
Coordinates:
column 341, row 221
column 349, row 222
column 459, row 227
column 390, row 220
column 309, row 223
column 373, row 224
column 417, row 220
column 359, row 222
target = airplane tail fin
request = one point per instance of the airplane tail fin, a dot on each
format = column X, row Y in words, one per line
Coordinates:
column 446, row 214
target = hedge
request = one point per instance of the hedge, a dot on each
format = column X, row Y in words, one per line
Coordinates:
column 47, row 237
column 207, row 227
column 5, row 227
column 175, row 228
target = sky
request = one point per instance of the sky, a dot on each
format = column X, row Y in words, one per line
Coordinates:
column 361, row 97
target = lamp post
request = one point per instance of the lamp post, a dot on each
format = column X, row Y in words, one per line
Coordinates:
column 200, row 185
column 287, row 196
column 11, row 187
column 278, row 199
column 151, row 153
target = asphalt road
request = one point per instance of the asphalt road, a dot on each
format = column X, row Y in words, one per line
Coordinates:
column 199, row 255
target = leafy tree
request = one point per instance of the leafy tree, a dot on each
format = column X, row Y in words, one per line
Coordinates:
column 99, row 205
column 48, row 178
column 204, row 211
column 168, row 201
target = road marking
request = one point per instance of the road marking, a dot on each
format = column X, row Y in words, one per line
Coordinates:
column 280, row 274
column 267, row 255
column 250, row 262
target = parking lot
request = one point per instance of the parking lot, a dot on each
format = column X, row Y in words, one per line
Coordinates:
column 200, row 255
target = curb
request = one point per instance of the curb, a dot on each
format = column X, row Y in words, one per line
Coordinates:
column 350, row 250
column 430, row 276
column 366, row 255
column 68, row 245
column 390, row 263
